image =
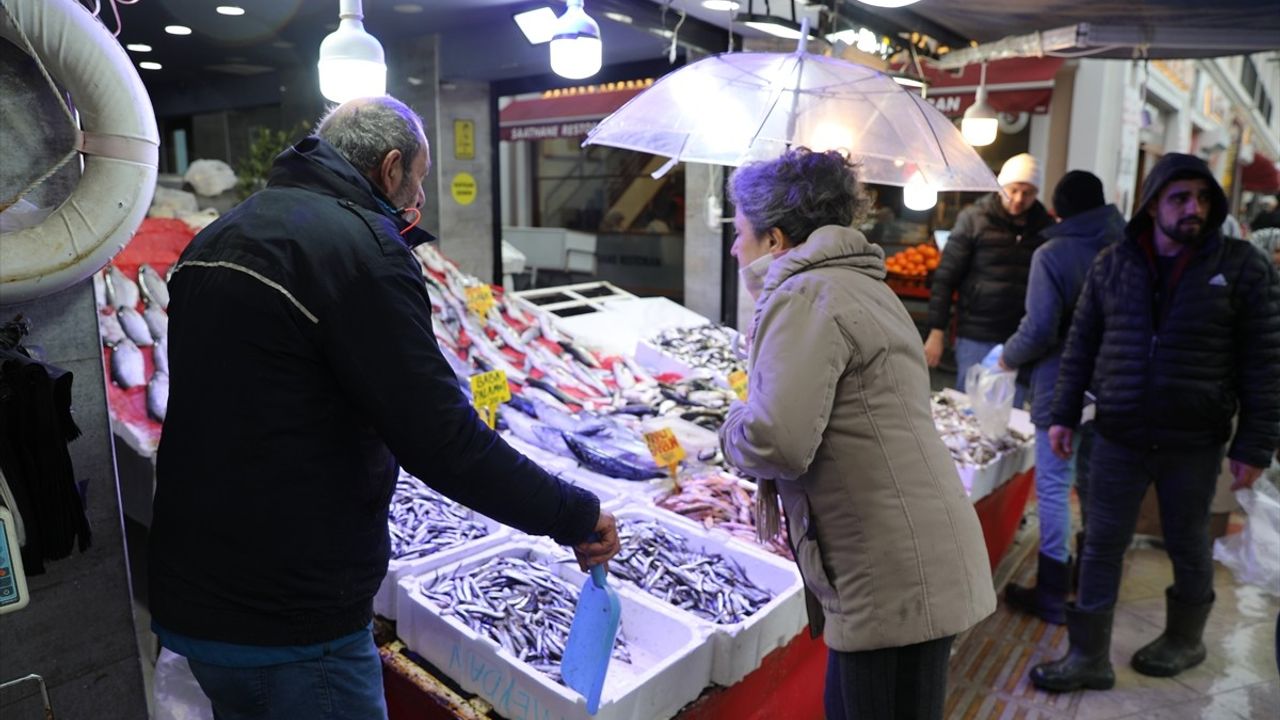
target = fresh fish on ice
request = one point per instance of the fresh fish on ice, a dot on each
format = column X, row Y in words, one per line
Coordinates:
column 128, row 369
column 157, row 321
column 135, row 327
column 158, row 396
column 153, row 287
column 121, row 291
column 612, row 461
column 109, row 327
column 160, row 355
column 535, row 433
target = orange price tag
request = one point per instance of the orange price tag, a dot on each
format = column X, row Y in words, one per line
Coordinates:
column 664, row 447
column 738, row 383
column 480, row 299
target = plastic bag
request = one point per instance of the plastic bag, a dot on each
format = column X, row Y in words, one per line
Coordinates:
column 178, row 695
column 990, row 392
column 1252, row 554
column 210, row 177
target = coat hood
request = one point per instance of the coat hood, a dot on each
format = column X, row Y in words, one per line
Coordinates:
column 1098, row 227
column 828, row 246
column 1177, row 166
column 315, row 165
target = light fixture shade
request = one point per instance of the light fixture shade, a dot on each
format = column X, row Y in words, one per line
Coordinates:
column 918, row 194
column 352, row 63
column 576, row 51
column 980, row 123
column 775, row 26
column 889, row 3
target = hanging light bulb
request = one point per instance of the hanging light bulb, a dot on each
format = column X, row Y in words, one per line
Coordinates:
column 980, row 122
column 352, row 63
column 575, row 44
column 918, row 193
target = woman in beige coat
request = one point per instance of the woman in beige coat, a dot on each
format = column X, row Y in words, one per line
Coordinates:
column 837, row 420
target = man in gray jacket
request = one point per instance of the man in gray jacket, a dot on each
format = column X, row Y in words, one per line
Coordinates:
column 1058, row 269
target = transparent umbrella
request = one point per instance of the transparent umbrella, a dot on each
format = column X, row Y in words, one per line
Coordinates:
column 737, row 107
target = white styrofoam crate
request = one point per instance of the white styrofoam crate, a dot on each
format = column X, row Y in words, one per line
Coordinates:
column 671, row 657
column 740, row 647
column 386, row 601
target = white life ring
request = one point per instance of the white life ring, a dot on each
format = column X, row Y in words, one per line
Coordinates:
column 118, row 139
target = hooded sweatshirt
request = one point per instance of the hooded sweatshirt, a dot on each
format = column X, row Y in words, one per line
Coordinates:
column 1173, row 356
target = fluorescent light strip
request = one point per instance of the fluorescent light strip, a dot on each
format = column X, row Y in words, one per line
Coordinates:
column 148, row 65
column 177, row 29
column 232, row 10
column 138, row 47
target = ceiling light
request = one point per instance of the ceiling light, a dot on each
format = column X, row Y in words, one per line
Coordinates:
column 620, row 18
column 148, row 65
column 775, row 26
column 407, row 8
column 352, row 63
column 888, row 3
column 980, row 123
column 918, row 193
column 177, row 29
column 232, row 10
column 138, row 47
column 721, row 5
column 537, row 25
column 861, row 38
column 575, row 44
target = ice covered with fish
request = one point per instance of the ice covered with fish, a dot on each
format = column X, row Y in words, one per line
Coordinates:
column 958, row 427
column 666, row 665
column 719, row 500
column 712, row 346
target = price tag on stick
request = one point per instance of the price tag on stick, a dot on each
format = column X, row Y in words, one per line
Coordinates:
column 666, row 451
column 479, row 300
column 488, row 391
column 738, row 383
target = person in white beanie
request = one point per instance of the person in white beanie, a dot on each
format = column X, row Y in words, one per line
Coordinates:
column 987, row 260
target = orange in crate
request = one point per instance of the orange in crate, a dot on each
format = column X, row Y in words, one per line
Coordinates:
column 915, row 262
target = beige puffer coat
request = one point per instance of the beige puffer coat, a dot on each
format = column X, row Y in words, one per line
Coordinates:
column 838, row 414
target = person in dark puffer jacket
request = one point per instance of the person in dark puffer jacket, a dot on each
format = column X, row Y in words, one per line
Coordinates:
column 1178, row 328
column 988, row 259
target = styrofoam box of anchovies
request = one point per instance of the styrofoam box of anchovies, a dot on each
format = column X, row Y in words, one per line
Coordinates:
column 670, row 656
column 740, row 647
column 386, row 601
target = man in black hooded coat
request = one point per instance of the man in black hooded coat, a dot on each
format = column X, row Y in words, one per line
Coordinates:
column 1176, row 330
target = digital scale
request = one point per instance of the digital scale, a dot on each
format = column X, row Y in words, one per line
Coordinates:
column 13, row 582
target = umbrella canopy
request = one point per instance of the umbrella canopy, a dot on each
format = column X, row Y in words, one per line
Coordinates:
column 733, row 108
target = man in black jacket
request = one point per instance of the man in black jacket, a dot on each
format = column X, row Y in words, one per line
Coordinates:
column 987, row 259
column 304, row 370
column 1058, row 269
column 1179, row 328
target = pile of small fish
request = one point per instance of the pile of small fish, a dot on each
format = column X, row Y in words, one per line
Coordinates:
column 524, row 607
column 126, row 331
column 423, row 522
column 958, row 427
column 711, row 346
column 711, row 586
column 718, row 500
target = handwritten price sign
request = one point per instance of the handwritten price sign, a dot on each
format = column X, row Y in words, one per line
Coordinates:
column 666, row 451
column 738, row 383
column 488, row 391
column 480, row 299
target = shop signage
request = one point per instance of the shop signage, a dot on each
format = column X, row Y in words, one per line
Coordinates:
column 463, row 188
column 549, row 131
column 464, row 139
column 488, row 391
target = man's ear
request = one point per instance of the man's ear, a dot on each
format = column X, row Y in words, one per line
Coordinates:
column 390, row 171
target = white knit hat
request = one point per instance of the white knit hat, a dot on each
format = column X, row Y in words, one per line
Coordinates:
column 1022, row 168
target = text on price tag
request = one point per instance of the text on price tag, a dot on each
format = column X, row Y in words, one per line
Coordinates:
column 480, row 299
column 490, row 388
column 738, row 383
column 664, row 446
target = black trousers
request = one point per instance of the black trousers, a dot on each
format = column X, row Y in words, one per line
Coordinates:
column 902, row 683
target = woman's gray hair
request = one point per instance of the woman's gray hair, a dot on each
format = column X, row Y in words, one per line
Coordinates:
column 798, row 193
column 365, row 130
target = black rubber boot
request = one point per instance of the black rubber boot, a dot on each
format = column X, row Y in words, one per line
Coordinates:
column 1087, row 664
column 1048, row 599
column 1181, row 646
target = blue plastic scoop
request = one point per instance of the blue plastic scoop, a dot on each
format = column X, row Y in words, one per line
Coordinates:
column 590, row 644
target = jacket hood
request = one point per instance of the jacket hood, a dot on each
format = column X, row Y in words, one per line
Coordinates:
column 1177, row 166
column 828, row 246
column 317, row 166
column 1097, row 227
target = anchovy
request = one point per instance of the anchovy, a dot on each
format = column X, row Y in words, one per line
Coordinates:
column 158, row 396
column 153, row 287
column 612, row 461
column 524, row 607
column 109, row 327
column 157, row 321
column 128, row 369
column 423, row 522
column 121, row 291
column 135, row 327
column 710, row 346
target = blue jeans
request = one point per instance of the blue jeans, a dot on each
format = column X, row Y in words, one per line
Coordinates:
column 1053, row 498
column 970, row 353
column 1185, row 479
column 346, row 682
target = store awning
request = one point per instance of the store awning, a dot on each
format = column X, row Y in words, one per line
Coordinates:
column 1260, row 175
column 568, row 114
column 1013, row 86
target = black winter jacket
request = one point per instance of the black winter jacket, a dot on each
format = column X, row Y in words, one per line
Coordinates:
column 304, row 369
column 1058, row 270
column 1176, row 379
column 987, row 258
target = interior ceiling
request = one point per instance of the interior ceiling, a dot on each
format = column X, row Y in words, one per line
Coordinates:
column 250, row 56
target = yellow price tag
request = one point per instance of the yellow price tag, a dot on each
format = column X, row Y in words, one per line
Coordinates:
column 738, row 383
column 664, row 446
column 480, row 299
column 488, row 391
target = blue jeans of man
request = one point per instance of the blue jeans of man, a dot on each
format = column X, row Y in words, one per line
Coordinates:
column 970, row 353
column 1185, row 479
column 1053, row 498
column 345, row 683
